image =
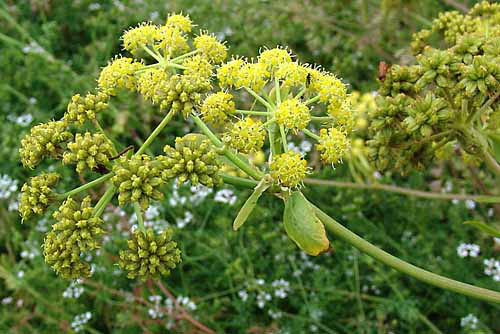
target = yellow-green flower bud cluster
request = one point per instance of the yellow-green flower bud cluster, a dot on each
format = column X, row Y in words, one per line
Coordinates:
column 193, row 159
column 228, row 73
column 333, row 145
column 274, row 58
column 150, row 84
column 438, row 100
column 43, row 140
column 75, row 232
column 138, row 179
column 88, row 151
column 246, row 135
column 37, row 194
column 181, row 22
column 149, row 255
column 183, row 93
column 293, row 114
column 119, row 73
column 289, row 169
column 198, row 66
column 82, row 109
column 216, row 107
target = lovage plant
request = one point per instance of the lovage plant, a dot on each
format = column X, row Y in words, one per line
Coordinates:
column 191, row 79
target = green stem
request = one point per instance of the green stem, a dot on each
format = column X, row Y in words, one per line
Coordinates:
column 258, row 98
column 156, row 132
column 312, row 100
column 140, row 218
column 302, row 92
column 105, row 199
column 186, row 55
column 252, row 172
column 269, row 122
column 405, row 267
column 251, row 112
column 153, row 54
column 311, row 134
column 147, row 67
column 84, row 187
column 396, row 189
column 278, row 91
column 283, row 138
column 177, row 66
column 491, row 163
column 321, row 118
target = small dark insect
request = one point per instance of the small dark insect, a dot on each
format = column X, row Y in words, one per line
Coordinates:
column 308, row 79
column 383, row 68
column 101, row 169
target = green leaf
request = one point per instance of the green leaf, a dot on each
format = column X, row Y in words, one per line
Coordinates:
column 484, row 227
column 250, row 203
column 303, row 226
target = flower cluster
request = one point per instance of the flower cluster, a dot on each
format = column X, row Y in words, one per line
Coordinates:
column 450, row 96
column 75, row 233
column 138, row 179
column 37, row 195
column 149, row 255
column 82, row 109
column 43, row 140
column 193, row 159
column 88, row 151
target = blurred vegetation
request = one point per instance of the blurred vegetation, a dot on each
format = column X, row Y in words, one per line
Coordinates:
column 51, row 50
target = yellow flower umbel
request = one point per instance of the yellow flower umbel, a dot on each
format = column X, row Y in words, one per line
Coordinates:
column 75, row 232
column 143, row 35
column 179, row 21
column 82, row 109
column 246, row 135
column 274, row 58
column 43, row 140
column 293, row 114
column 210, row 47
column 253, row 76
column 37, row 194
column 88, row 151
column 228, row 73
column 119, row 73
column 216, row 107
column 289, row 169
column 333, row 145
column 149, row 255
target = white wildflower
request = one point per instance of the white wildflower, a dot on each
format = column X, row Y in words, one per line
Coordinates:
column 225, row 196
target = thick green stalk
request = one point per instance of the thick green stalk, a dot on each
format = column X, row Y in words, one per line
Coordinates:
column 252, row 112
column 156, row 132
column 491, row 163
column 311, row 134
column 405, row 267
column 186, row 55
column 252, row 172
column 396, row 189
column 84, row 187
column 312, row 100
column 105, row 199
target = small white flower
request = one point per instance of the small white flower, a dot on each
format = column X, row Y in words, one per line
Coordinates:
column 470, row 204
column 243, row 295
column 24, row 120
column 8, row 186
column 154, row 15
column 80, row 320
column 225, row 196
column 282, row 287
column 7, row 300
column 94, row 6
column 275, row 314
column 470, row 321
column 186, row 302
column 20, row 274
column 464, row 250
column 492, row 268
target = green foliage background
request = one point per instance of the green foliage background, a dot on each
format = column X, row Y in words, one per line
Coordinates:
column 342, row 292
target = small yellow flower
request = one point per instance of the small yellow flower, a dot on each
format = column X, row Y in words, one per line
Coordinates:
column 289, row 169
column 253, row 76
column 333, row 145
column 150, row 83
column 172, row 41
column 211, row 48
column 330, row 89
column 292, row 74
column 134, row 39
column 293, row 114
column 216, row 107
column 119, row 73
column 198, row 66
column 341, row 111
column 246, row 135
column 228, row 73
column 179, row 21
column 273, row 58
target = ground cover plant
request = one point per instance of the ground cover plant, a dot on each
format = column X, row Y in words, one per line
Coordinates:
column 253, row 123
